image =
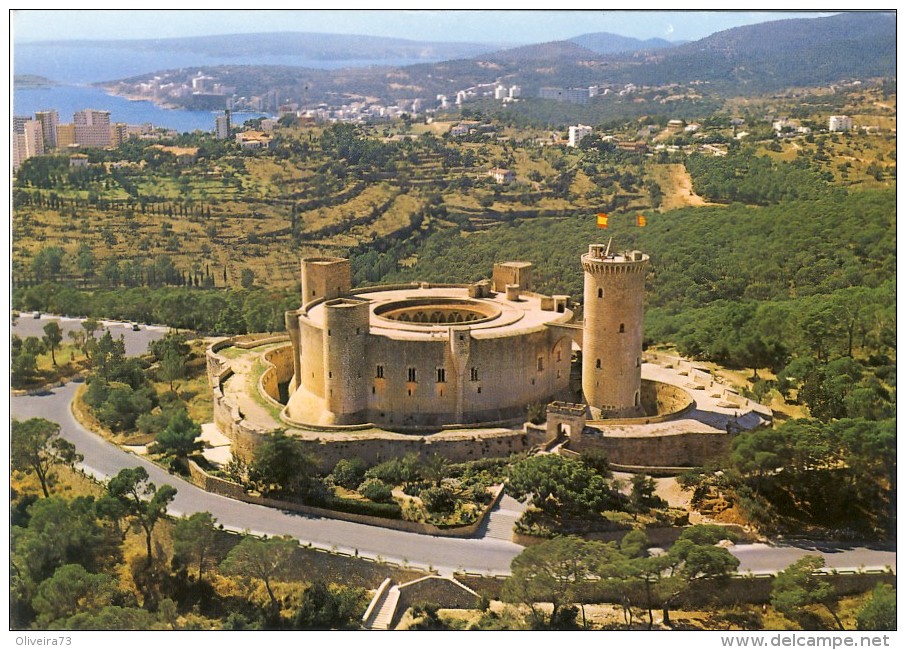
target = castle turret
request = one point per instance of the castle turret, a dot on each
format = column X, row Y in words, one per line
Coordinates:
column 612, row 337
column 325, row 278
column 345, row 339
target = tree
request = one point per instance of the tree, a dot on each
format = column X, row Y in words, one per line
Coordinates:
column 434, row 468
column 265, row 559
column 247, row 278
column 563, row 489
column 642, row 497
column 71, row 589
column 60, row 532
column 880, row 611
column 172, row 367
column 142, row 500
column 323, row 608
column 280, row 466
column 179, row 438
column 36, row 446
column 193, row 538
column 799, row 586
column 52, row 338
column 556, row 572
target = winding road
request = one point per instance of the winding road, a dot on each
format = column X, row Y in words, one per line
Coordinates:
column 484, row 554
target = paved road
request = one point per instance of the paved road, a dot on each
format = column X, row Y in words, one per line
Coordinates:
column 103, row 459
column 486, row 555
column 136, row 341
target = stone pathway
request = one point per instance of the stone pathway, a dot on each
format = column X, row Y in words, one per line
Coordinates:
column 217, row 445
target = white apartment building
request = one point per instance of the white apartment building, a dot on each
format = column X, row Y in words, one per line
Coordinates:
column 839, row 123
column 576, row 133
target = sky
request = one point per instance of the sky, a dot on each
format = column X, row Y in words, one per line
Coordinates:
column 516, row 26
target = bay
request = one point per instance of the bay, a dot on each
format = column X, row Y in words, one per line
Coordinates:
column 74, row 68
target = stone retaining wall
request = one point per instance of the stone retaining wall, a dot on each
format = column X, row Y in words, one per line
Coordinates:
column 220, row 486
column 456, row 447
column 748, row 589
column 670, row 450
column 279, row 362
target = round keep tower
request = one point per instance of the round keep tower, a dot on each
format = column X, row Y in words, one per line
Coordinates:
column 345, row 339
column 612, row 333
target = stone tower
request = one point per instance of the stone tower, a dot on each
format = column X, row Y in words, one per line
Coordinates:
column 325, row 278
column 345, row 341
column 612, row 337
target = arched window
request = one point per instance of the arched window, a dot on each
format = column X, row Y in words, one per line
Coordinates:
column 597, row 363
column 622, row 328
column 600, row 293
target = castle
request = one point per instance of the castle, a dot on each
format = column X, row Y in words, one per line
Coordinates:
column 454, row 369
column 413, row 357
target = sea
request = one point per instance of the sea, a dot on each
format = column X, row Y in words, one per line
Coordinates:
column 74, row 68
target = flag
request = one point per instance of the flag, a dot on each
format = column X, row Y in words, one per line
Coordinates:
column 602, row 220
column 640, row 221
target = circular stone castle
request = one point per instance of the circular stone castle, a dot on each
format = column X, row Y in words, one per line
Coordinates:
column 455, row 369
column 410, row 358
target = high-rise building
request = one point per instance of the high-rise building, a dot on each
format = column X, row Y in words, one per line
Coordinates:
column 27, row 143
column 222, row 126
column 19, row 123
column 66, row 136
column 119, row 133
column 92, row 128
column 49, row 120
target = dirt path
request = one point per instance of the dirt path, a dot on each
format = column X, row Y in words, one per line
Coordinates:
column 676, row 184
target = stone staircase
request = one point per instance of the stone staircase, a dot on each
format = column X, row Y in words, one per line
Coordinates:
column 383, row 609
column 503, row 517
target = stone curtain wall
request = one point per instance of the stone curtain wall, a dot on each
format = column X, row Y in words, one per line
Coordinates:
column 677, row 450
column 279, row 370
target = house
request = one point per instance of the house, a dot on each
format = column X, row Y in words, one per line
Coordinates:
column 502, row 176
column 253, row 140
column 184, row 155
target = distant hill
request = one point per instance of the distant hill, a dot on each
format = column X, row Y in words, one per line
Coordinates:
column 606, row 43
column 560, row 51
column 745, row 60
column 303, row 44
column 782, row 53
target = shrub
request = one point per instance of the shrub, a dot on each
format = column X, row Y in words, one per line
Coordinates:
column 375, row 490
column 349, row 472
column 396, row 471
column 440, row 500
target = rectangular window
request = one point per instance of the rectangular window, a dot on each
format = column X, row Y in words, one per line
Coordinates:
column 379, row 372
column 474, row 374
column 441, row 375
column 540, row 364
column 412, row 375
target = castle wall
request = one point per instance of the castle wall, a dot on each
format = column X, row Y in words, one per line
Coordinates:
column 311, row 357
column 678, row 450
column 279, row 371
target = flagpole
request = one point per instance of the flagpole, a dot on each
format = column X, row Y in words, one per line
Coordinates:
column 607, row 252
